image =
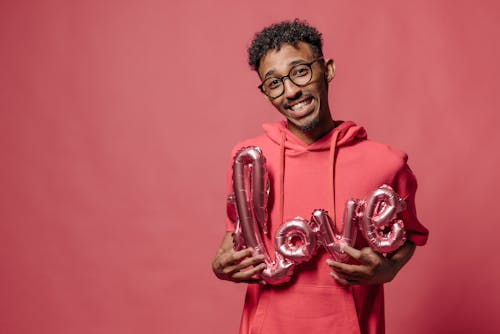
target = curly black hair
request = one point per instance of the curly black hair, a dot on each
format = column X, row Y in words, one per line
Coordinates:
column 286, row 32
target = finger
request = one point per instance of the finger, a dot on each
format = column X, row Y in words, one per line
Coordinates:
column 349, row 271
column 370, row 257
column 352, row 252
column 366, row 255
column 242, row 254
column 354, row 276
column 231, row 257
column 339, row 266
column 248, row 262
column 251, row 261
column 341, row 280
column 247, row 274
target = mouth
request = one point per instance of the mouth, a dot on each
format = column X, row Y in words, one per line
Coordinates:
column 301, row 108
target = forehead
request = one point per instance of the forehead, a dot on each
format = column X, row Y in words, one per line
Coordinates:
column 279, row 61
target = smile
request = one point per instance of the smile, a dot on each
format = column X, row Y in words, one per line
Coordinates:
column 302, row 107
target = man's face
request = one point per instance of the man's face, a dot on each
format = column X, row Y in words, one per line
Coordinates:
column 306, row 108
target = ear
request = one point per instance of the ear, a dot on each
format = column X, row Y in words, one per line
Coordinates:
column 329, row 69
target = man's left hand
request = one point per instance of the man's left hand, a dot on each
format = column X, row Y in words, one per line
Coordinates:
column 374, row 268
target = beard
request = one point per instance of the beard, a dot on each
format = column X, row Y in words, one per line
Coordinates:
column 311, row 126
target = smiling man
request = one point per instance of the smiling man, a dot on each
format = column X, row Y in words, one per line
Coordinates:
column 315, row 162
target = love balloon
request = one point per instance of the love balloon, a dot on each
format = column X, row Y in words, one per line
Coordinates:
column 297, row 239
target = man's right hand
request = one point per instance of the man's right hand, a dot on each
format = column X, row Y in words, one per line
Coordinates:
column 237, row 266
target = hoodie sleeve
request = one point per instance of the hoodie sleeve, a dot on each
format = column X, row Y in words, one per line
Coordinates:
column 406, row 185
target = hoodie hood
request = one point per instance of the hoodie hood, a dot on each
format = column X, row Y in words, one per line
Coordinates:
column 348, row 132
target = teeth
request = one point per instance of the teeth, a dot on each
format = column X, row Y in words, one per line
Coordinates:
column 299, row 105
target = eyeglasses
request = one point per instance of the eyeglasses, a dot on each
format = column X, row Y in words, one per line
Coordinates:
column 300, row 75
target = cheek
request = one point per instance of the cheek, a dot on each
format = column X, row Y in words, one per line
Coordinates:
column 277, row 103
column 317, row 87
column 322, row 89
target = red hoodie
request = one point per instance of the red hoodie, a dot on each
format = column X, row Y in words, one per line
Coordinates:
column 323, row 175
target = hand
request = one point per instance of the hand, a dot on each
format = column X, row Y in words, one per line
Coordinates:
column 237, row 266
column 374, row 268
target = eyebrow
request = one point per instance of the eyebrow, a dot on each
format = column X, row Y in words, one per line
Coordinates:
column 291, row 64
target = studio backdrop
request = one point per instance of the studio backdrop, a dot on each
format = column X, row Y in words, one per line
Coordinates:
column 116, row 123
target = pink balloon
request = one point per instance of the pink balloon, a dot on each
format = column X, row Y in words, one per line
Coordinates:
column 238, row 240
column 296, row 240
column 250, row 185
column 251, row 191
column 278, row 271
column 329, row 237
column 379, row 224
column 231, row 208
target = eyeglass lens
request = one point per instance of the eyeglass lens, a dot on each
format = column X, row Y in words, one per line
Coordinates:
column 300, row 75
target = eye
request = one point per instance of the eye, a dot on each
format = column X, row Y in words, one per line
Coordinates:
column 273, row 83
column 300, row 71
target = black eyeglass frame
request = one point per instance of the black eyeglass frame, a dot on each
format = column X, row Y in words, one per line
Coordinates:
column 260, row 87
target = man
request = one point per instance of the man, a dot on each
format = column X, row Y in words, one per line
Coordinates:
column 316, row 162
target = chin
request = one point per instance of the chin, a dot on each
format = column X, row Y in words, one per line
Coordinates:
column 309, row 125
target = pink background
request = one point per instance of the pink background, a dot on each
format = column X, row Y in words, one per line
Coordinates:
column 116, row 123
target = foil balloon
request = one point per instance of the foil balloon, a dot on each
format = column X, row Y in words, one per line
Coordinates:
column 232, row 214
column 296, row 240
column 251, row 192
column 333, row 240
column 378, row 222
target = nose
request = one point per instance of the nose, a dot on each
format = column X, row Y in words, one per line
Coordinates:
column 291, row 90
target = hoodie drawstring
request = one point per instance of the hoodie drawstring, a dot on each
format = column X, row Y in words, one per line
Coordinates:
column 281, row 184
column 282, row 178
column 333, row 159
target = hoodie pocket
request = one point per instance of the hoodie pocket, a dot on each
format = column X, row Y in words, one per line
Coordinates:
column 307, row 309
